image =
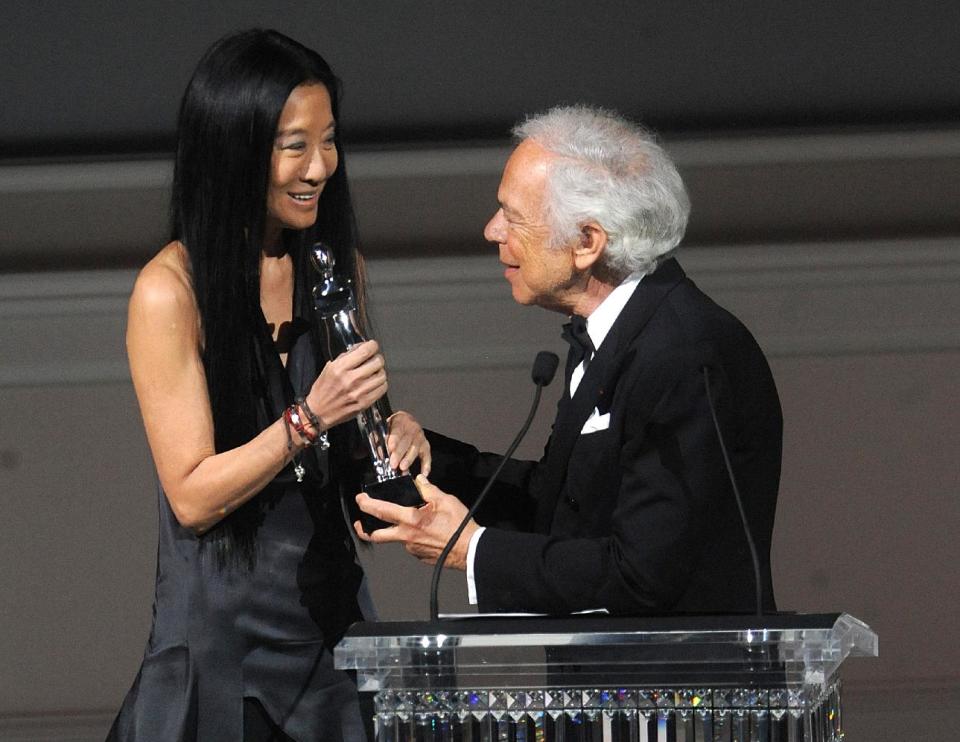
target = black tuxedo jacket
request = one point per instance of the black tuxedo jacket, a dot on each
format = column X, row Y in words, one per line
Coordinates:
column 639, row 517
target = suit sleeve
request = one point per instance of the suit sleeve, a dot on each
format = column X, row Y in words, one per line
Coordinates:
column 462, row 470
column 668, row 478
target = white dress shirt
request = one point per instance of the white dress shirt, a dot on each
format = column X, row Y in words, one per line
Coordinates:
column 599, row 323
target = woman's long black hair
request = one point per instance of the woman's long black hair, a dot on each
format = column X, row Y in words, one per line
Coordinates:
column 225, row 137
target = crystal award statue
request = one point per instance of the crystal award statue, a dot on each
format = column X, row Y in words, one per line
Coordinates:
column 335, row 311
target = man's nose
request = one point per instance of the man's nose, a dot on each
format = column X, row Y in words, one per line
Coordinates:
column 495, row 231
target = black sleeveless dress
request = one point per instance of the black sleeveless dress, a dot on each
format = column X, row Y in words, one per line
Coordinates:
column 222, row 633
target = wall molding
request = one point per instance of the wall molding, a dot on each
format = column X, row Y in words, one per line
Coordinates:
column 426, row 201
column 56, row 726
column 799, row 300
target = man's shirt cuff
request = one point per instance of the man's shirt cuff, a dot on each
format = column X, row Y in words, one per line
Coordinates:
column 471, row 553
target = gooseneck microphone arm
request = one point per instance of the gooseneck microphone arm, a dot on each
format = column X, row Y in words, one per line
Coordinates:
column 544, row 367
column 758, row 590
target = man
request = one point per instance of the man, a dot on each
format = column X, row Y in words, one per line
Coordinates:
column 631, row 508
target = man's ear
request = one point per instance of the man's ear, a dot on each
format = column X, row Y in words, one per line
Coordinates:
column 590, row 247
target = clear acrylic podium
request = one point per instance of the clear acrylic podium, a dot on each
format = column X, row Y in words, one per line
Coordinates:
column 677, row 679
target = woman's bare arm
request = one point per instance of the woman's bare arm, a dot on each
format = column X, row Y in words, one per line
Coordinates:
column 163, row 347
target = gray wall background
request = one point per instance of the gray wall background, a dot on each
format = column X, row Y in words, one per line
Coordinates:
column 820, row 143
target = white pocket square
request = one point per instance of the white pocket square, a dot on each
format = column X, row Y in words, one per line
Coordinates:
column 595, row 422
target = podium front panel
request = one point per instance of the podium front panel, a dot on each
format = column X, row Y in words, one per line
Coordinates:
column 677, row 679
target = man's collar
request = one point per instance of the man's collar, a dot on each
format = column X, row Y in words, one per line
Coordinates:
column 602, row 318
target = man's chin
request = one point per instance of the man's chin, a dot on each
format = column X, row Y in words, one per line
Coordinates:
column 524, row 298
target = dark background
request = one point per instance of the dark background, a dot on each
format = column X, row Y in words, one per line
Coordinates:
column 104, row 78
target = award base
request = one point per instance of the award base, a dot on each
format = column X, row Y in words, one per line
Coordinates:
column 400, row 490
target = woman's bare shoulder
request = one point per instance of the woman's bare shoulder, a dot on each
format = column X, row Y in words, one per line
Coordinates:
column 163, row 284
column 163, row 303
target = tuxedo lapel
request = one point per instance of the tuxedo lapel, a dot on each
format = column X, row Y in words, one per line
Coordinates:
column 598, row 382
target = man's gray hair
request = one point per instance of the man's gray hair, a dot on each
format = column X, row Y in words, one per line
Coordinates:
column 611, row 171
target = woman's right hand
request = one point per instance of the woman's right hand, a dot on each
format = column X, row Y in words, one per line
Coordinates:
column 350, row 383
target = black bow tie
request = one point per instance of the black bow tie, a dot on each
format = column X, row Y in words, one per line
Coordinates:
column 581, row 346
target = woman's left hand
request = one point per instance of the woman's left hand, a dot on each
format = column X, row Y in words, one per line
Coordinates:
column 406, row 443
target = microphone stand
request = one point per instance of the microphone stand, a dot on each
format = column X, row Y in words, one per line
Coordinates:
column 751, row 545
column 544, row 367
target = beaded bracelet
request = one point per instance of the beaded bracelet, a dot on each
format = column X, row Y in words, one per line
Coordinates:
column 294, row 457
column 292, row 414
column 315, row 422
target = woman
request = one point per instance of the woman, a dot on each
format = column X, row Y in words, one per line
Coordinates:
column 257, row 577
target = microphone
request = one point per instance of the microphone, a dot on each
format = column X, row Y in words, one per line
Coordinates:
column 544, row 368
column 758, row 590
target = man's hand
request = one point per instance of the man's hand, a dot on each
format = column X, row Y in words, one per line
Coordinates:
column 423, row 531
